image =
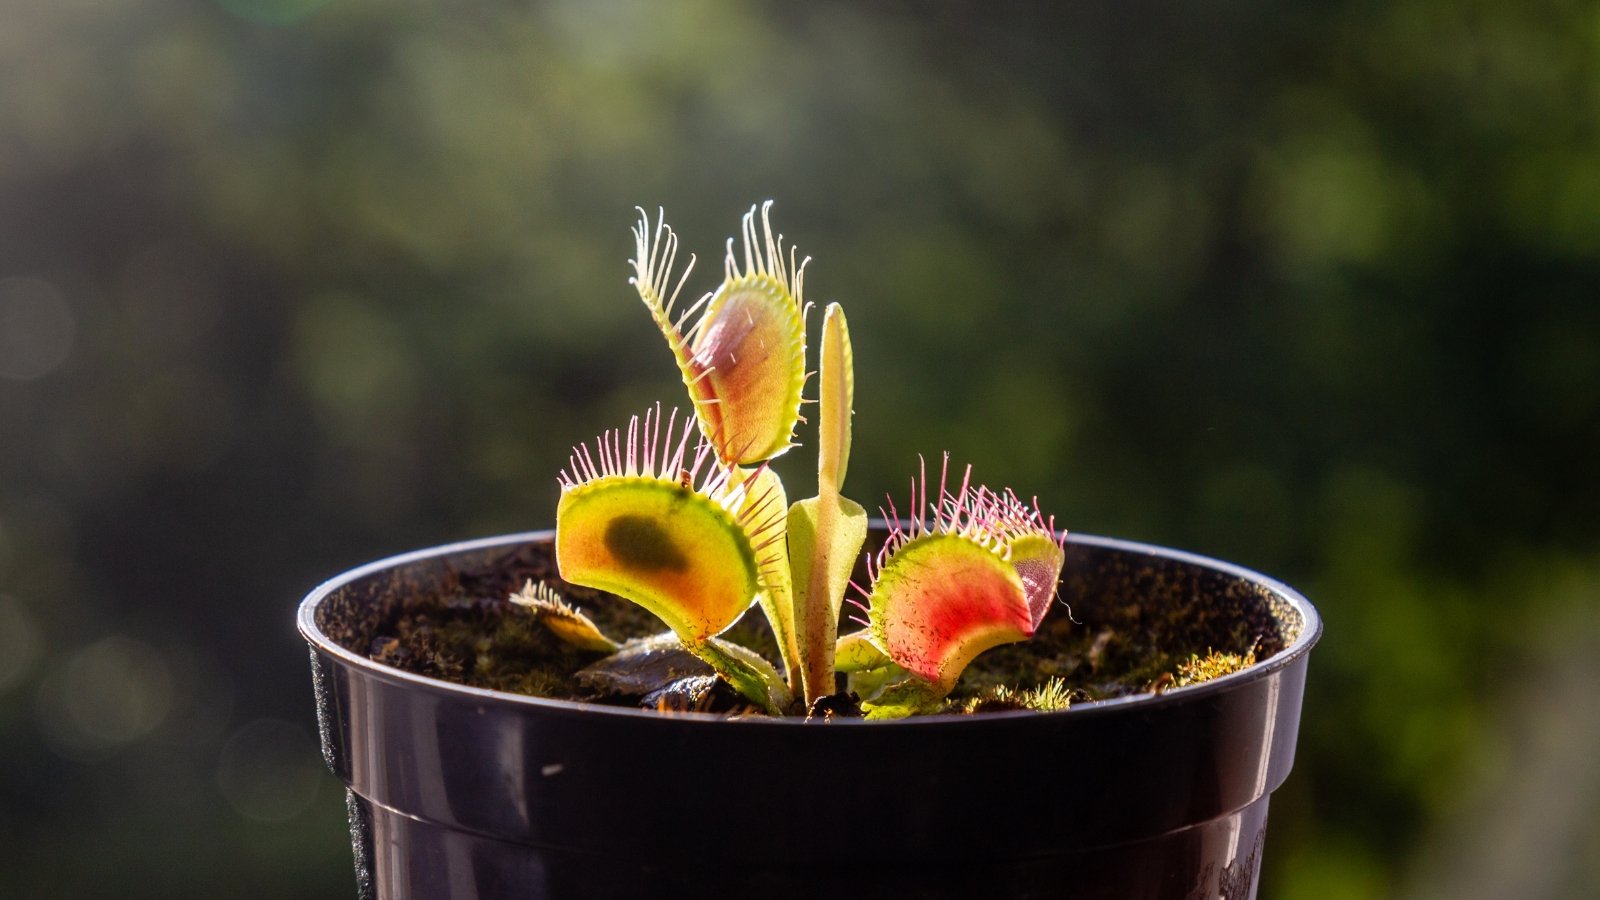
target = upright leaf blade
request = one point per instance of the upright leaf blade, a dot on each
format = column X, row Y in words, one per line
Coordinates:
column 837, row 386
column 827, row 531
column 825, row 537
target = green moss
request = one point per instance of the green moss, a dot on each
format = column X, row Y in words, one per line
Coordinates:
column 1052, row 696
column 1197, row 669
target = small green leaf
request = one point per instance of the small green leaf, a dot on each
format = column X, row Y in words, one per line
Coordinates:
column 911, row 697
column 868, row 684
column 566, row 622
column 750, row 675
column 856, row 653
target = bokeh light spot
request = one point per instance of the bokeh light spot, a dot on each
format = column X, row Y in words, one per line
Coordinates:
column 111, row 693
column 21, row 641
column 36, row 328
column 270, row 770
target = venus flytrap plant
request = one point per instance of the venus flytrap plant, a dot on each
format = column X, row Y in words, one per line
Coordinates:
column 968, row 571
column 698, row 536
column 678, row 535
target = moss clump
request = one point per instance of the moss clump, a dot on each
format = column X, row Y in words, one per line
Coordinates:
column 1197, row 669
column 1051, row 696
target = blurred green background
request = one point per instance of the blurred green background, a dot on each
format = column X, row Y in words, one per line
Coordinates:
column 288, row 285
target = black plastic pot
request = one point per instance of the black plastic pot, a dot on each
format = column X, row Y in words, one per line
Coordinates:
column 456, row 792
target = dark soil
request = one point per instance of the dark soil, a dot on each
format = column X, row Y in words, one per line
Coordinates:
column 1125, row 626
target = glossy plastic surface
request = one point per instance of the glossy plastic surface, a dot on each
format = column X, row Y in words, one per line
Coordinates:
column 464, row 793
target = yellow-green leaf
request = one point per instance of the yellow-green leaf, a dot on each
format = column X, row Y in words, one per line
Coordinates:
column 662, row 545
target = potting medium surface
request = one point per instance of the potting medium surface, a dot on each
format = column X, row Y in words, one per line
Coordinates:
column 1127, row 627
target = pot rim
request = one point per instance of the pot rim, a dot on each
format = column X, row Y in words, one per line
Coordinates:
column 1310, row 632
